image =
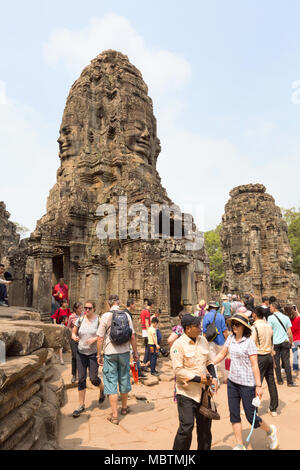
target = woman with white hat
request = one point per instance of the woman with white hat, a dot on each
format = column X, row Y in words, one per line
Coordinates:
column 244, row 381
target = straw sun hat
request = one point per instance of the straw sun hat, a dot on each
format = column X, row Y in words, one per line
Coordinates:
column 241, row 318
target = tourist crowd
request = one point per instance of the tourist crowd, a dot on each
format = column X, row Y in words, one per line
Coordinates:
column 232, row 342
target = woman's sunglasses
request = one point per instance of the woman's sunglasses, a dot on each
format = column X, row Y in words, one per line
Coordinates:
column 235, row 323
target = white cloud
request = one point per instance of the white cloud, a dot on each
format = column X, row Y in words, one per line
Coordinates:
column 28, row 163
column 162, row 70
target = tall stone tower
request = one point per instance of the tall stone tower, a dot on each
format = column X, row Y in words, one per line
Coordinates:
column 108, row 149
column 256, row 251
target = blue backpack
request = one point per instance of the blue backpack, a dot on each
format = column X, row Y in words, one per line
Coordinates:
column 120, row 331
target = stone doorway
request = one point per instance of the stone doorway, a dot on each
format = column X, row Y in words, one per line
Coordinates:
column 58, row 269
column 175, row 283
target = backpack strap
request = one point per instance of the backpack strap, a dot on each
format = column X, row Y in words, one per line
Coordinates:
column 257, row 335
column 280, row 323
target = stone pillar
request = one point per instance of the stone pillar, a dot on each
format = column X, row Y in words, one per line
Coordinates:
column 42, row 283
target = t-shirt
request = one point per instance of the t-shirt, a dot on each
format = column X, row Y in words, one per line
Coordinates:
column 152, row 335
column 220, row 325
column 235, row 305
column 240, row 365
column 279, row 333
column 227, row 309
column 87, row 331
column 145, row 314
column 61, row 292
column 296, row 329
column 104, row 332
column 61, row 316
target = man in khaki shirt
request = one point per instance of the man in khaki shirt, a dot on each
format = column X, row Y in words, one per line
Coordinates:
column 193, row 367
column 262, row 335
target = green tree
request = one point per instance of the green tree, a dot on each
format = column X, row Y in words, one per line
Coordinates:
column 214, row 251
column 21, row 230
column 292, row 218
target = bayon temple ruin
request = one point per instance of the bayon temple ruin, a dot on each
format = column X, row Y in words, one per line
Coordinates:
column 107, row 181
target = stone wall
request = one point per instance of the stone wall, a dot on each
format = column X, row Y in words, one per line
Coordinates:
column 31, row 390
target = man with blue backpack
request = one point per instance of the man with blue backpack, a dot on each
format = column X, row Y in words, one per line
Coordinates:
column 216, row 332
column 115, row 335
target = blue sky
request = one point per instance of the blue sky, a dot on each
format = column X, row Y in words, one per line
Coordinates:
column 222, row 95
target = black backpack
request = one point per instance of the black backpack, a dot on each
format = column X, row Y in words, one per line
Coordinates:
column 120, row 331
column 211, row 330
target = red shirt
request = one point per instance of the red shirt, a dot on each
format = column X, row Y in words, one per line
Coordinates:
column 61, row 316
column 145, row 314
column 296, row 329
column 61, row 292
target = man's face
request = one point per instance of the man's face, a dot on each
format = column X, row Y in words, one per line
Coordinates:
column 272, row 308
column 61, row 282
column 193, row 331
column 2, row 270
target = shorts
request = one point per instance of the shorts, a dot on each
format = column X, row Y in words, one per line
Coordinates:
column 116, row 371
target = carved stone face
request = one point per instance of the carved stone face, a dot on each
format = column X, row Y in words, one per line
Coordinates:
column 286, row 261
column 240, row 261
column 69, row 141
column 139, row 135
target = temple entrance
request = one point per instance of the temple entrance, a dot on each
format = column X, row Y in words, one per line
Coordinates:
column 175, row 282
column 58, row 269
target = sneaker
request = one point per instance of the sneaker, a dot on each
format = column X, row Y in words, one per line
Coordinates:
column 145, row 369
column 280, row 382
column 293, row 385
column 239, row 447
column 73, row 379
column 156, row 374
column 3, row 304
column 273, row 413
column 273, row 437
column 78, row 411
column 62, row 362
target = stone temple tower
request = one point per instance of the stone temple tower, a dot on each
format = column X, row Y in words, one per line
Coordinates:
column 108, row 149
column 256, row 251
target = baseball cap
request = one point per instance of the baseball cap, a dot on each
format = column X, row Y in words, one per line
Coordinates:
column 188, row 320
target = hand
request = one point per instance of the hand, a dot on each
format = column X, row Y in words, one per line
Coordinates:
column 206, row 379
column 259, row 392
column 214, row 385
column 90, row 341
column 136, row 356
column 158, row 347
column 77, row 339
column 100, row 360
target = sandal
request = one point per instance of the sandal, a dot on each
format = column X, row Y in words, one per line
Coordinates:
column 113, row 420
column 125, row 411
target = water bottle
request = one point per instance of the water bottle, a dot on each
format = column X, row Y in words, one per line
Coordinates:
column 2, row 353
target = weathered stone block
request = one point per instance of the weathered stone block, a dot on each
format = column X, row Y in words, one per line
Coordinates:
column 10, row 423
column 17, row 368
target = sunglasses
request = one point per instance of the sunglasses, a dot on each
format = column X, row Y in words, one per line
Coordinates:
column 88, row 308
column 235, row 323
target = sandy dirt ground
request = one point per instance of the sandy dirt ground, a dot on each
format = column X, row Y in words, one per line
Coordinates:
column 152, row 422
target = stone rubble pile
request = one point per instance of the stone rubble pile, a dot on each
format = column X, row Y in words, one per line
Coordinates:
column 31, row 389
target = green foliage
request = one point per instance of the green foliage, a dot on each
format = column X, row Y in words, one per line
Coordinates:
column 292, row 218
column 214, row 251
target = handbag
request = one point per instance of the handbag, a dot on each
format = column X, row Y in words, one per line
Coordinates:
column 207, row 405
